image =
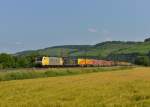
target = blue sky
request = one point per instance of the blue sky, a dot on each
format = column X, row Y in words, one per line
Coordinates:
column 34, row 24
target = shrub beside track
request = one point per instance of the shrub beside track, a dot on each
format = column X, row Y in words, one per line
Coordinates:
column 52, row 72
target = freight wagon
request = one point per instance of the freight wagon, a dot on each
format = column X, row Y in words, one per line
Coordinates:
column 94, row 62
column 85, row 62
column 70, row 62
column 120, row 63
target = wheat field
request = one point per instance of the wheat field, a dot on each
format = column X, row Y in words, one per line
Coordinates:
column 123, row 88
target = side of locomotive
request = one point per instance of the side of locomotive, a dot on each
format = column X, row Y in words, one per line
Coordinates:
column 56, row 61
column 52, row 61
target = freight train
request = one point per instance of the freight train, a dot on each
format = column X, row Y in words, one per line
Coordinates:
column 74, row 62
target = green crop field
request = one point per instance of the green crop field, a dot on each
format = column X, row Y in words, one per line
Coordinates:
column 118, row 88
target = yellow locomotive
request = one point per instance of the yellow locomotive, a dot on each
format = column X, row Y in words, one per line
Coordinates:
column 50, row 61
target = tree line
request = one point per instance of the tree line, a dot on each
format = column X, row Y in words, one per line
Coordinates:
column 11, row 61
column 143, row 60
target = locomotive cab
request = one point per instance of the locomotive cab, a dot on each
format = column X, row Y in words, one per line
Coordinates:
column 38, row 61
column 42, row 61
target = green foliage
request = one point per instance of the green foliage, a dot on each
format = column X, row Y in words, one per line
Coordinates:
column 29, row 73
column 22, row 62
column 6, row 61
column 147, row 40
column 143, row 60
column 10, row 61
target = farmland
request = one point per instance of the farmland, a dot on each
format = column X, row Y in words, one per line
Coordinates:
column 118, row 88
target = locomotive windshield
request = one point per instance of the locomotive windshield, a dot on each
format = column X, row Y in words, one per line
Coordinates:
column 38, row 59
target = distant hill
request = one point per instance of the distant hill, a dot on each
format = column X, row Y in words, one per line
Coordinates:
column 56, row 50
column 100, row 50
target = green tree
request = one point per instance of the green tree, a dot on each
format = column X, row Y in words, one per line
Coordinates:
column 7, row 61
column 143, row 60
column 22, row 62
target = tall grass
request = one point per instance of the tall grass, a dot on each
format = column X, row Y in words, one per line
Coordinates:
column 29, row 74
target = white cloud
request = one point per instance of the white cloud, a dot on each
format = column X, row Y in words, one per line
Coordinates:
column 92, row 30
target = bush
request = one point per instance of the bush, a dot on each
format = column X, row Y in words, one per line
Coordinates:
column 143, row 60
column 6, row 61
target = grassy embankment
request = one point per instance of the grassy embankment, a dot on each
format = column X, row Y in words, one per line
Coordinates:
column 6, row 75
column 127, row 88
